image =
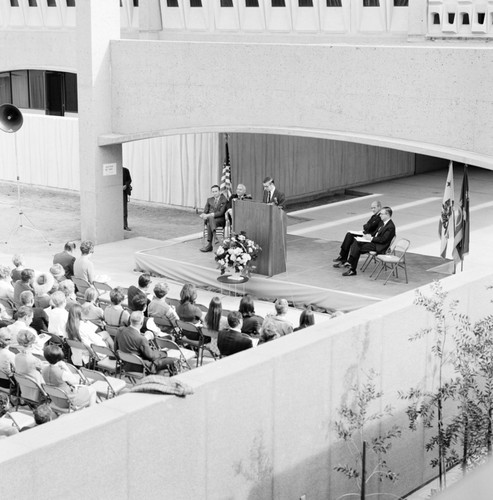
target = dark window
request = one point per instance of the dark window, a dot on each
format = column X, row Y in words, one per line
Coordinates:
column 436, row 18
column 251, row 3
column 51, row 3
column 278, row 3
column 5, row 89
column 71, row 92
column 465, row 18
column 481, row 17
column 401, row 3
column 172, row 3
column 14, row 3
column 33, row 3
column 305, row 3
column 195, row 3
column 36, row 89
column 20, row 88
column 371, row 3
column 451, row 17
column 226, row 3
column 334, row 3
column 70, row 3
column 54, row 93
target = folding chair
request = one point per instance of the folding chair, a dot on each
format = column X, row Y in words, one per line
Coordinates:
column 173, row 302
column 167, row 325
column 60, row 402
column 396, row 260
column 30, row 391
column 219, row 234
column 6, row 383
column 106, row 387
column 78, row 348
column 106, row 359
column 21, row 420
column 81, row 285
column 112, row 330
column 371, row 257
column 192, row 336
column 137, row 369
column 175, row 351
column 103, row 291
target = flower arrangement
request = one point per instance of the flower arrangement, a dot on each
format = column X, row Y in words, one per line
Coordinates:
column 237, row 252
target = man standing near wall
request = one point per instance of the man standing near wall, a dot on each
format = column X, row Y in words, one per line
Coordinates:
column 127, row 191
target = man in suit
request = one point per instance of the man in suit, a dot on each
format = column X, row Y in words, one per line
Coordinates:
column 371, row 227
column 272, row 194
column 214, row 215
column 131, row 341
column 367, row 243
column 66, row 258
column 231, row 340
column 241, row 194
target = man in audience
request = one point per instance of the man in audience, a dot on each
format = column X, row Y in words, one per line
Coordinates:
column 379, row 242
column 158, row 307
column 241, row 194
column 40, row 318
column 214, row 215
column 131, row 341
column 144, row 283
column 83, row 267
column 148, row 328
column 231, row 340
column 18, row 261
column 25, row 283
column 280, row 321
column 371, row 227
column 272, row 194
column 66, row 258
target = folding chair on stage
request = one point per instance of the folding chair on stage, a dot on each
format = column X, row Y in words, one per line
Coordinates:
column 393, row 262
column 371, row 257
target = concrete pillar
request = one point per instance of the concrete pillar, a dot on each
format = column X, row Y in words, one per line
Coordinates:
column 417, row 20
column 101, row 192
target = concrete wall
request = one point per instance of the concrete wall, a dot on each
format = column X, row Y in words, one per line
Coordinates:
column 259, row 424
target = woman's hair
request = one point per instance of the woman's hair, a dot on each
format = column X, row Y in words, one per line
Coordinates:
column 307, row 318
column 53, row 353
column 213, row 316
column 73, row 322
column 58, row 299
column 247, row 307
column 91, row 294
column 139, row 302
column 4, row 272
column 144, row 280
column 188, row 293
column 161, row 290
column 4, row 338
column 17, row 260
column 26, row 338
column 117, row 295
column 67, row 287
column 86, row 247
column 4, row 404
column 27, row 275
column 268, row 333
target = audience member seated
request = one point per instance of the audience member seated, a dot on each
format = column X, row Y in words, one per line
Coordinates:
column 43, row 285
column 307, row 318
column 23, row 322
column 131, row 341
column 149, row 328
column 56, row 373
column 240, row 194
column 44, row 414
column 187, row 310
column 40, row 317
column 268, row 333
column 25, row 283
column 25, row 363
column 144, row 283
column 85, row 332
column 158, row 307
column 66, row 259
column 18, row 261
column 214, row 320
column 7, row 357
column 214, row 215
column 280, row 321
column 231, row 340
column 67, row 287
column 58, row 314
column 58, row 273
column 90, row 310
column 251, row 322
column 6, row 288
column 114, row 314
column 7, row 427
column 83, row 266
column 5, row 317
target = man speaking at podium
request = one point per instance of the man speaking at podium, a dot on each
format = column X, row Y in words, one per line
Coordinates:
column 272, row 194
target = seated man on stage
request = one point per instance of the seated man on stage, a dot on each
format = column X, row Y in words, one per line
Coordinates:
column 214, row 215
column 367, row 243
column 272, row 194
column 371, row 227
column 241, row 194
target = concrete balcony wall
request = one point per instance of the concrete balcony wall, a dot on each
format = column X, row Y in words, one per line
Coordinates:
column 259, row 425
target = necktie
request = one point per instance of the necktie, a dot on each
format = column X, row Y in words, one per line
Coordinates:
column 268, row 196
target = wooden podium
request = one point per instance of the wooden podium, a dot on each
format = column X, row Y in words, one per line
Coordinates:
column 266, row 225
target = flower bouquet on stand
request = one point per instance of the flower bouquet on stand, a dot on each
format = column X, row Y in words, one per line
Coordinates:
column 237, row 253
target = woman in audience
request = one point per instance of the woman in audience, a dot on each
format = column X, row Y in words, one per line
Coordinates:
column 85, row 332
column 58, row 375
column 7, row 357
column 251, row 322
column 83, row 266
column 187, row 310
column 68, row 289
column 58, row 315
column 7, row 427
column 307, row 318
column 6, row 288
column 18, row 261
column 214, row 320
column 91, row 311
column 268, row 333
column 25, row 363
column 114, row 314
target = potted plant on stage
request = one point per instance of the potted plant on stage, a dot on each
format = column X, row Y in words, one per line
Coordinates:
column 237, row 254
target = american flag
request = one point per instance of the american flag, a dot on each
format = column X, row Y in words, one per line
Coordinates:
column 226, row 173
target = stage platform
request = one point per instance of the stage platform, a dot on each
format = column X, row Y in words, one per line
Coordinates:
column 310, row 277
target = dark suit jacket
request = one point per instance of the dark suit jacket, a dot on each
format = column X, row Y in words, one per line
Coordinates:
column 218, row 209
column 383, row 237
column 372, row 225
column 66, row 260
column 277, row 198
column 235, row 197
column 230, row 342
column 129, row 340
